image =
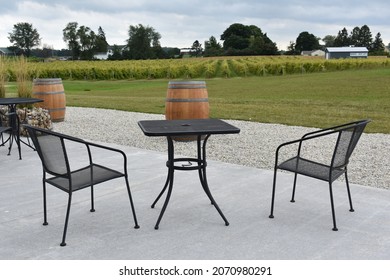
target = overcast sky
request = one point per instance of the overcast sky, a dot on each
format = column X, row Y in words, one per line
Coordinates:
column 180, row 23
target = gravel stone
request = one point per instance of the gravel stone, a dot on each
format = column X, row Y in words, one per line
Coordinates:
column 254, row 146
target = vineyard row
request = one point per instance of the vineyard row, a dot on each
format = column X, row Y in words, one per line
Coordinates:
column 225, row 67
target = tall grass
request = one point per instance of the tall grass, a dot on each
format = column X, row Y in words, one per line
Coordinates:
column 23, row 79
column 2, row 76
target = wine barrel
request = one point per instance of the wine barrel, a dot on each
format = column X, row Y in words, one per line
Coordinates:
column 53, row 95
column 186, row 100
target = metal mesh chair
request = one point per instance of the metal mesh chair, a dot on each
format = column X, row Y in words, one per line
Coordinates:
column 52, row 151
column 347, row 137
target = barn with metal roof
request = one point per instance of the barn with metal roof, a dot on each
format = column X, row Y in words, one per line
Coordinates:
column 346, row 52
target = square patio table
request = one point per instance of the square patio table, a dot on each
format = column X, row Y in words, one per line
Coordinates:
column 202, row 129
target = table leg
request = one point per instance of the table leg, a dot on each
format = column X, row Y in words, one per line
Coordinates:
column 169, row 181
column 162, row 192
column 15, row 129
column 203, row 177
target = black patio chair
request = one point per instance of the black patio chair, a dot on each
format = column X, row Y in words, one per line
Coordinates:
column 347, row 136
column 52, row 150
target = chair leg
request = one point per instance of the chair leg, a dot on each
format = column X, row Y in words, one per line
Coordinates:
column 11, row 141
column 349, row 194
column 332, row 206
column 45, row 223
column 271, row 216
column 293, row 192
column 66, row 220
column 92, row 201
column 131, row 203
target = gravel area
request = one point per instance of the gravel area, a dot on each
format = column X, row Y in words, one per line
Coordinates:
column 255, row 145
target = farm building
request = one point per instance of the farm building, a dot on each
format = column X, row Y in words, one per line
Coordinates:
column 5, row 51
column 346, row 52
column 313, row 53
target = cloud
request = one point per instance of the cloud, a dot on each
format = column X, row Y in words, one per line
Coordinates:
column 180, row 23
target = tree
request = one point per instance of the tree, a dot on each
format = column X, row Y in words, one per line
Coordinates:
column 242, row 39
column 70, row 36
column 143, row 42
column 365, row 37
column 101, row 44
column 87, row 39
column 291, row 48
column 306, row 42
column 83, row 41
column 329, row 40
column 212, row 47
column 342, row 39
column 25, row 37
column 377, row 45
column 355, row 38
column 196, row 48
column 236, row 36
column 269, row 47
column 116, row 53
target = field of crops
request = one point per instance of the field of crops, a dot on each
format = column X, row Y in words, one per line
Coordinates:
column 193, row 68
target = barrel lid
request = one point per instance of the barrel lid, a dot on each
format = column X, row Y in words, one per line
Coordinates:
column 47, row 81
column 187, row 84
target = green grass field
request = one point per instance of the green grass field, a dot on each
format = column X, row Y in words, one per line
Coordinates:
column 315, row 100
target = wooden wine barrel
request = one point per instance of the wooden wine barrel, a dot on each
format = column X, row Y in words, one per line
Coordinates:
column 186, row 100
column 53, row 95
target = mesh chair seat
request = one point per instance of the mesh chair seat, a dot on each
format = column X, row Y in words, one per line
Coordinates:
column 85, row 177
column 4, row 129
column 310, row 168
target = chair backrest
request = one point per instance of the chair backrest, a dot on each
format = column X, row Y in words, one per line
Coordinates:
column 347, row 140
column 51, row 150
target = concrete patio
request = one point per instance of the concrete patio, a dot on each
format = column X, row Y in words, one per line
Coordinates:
column 191, row 228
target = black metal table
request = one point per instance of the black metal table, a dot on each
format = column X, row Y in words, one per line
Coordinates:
column 12, row 103
column 203, row 129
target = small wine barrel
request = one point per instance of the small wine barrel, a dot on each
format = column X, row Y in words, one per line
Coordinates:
column 53, row 95
column 186, row 100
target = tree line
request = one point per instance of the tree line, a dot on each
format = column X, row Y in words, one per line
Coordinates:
column 358, row 37
column 144, row 42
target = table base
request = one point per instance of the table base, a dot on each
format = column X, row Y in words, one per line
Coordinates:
column 200, row 165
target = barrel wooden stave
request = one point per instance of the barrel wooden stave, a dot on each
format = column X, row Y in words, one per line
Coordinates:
column 186, row 100
column 53, row 95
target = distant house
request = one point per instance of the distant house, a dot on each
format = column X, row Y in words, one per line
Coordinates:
column 346, row 52
column 306, row 53
column 186, row 52
column 313, row 53
column 101, row 55
column 318, row 53
column 5, row 51
column 110, row 51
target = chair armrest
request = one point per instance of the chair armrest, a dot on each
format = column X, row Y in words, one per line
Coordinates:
column 304, row 138
column 99, row 146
